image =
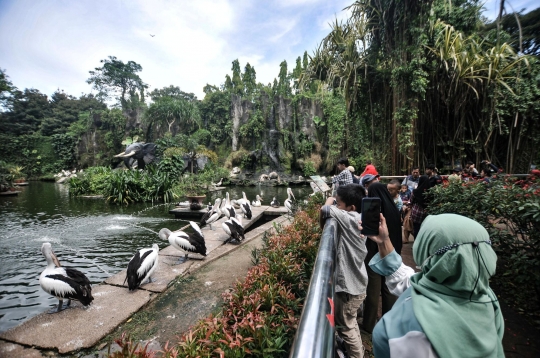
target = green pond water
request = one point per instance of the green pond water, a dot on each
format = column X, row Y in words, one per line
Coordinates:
column 91, row 235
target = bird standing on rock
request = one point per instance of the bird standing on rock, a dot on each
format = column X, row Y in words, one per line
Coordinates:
column 234, row 228
column 64, row 282
column 245, row 206
column 185, row 242
column 228, row 208
column 257, row 202
column 289, row 201
column 212, row 215
column 141, row 267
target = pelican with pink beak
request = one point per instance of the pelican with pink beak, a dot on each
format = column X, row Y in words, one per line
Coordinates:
column 64, row 282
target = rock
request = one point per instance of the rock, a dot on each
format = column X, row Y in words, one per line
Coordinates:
column 264, row 177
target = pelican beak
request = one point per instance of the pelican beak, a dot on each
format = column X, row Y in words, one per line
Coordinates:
column 55, row 260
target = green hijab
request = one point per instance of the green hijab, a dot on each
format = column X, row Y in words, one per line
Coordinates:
column 452, row 300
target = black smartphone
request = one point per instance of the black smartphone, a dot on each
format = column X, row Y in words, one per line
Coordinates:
column 371, row 215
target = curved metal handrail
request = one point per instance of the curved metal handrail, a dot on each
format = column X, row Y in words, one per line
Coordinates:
column 315, row 336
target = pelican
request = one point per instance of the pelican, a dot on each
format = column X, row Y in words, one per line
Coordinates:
column 256, row 202
column 228, row 208
column 218, row 183
column 274, row 203
column 234, row 228
column 289, row 202
column 245, row 206
column 63, row 282
column 236, row 203
column 141, row 267
column 184, row 241
column 212, row 215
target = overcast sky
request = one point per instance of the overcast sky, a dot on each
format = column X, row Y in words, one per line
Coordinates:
column 52, row 44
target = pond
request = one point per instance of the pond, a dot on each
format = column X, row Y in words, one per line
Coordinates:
column 97, row 238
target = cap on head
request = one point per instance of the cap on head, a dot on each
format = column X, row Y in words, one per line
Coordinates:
column 368, row 178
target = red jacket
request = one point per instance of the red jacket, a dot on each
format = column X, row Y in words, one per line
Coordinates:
column 370, row 169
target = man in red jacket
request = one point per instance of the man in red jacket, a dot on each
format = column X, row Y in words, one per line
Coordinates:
column 370, row 169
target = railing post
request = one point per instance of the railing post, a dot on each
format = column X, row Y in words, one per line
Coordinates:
column 315, row 336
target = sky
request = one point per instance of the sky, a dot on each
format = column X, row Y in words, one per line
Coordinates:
column 52, row 44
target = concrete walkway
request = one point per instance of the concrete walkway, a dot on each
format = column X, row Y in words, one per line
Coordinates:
column 78, row 328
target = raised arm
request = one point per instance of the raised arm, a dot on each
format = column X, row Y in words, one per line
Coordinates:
column 387, row 262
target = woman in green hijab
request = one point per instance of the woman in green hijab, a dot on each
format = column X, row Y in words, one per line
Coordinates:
column 447, row 309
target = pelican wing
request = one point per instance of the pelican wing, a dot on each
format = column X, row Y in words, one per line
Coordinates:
column 247, row 210
column 60, row 285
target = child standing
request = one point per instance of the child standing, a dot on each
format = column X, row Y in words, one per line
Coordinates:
column 351, row 274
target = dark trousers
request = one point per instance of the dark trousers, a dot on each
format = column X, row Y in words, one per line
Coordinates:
column 376, row 287
column 416, row 229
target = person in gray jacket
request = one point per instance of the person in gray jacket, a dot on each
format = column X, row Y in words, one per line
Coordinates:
column 351, row 274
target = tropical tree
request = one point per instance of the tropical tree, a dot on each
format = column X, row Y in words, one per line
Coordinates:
column 425, row 81
column 119, row 79
column 171, row 110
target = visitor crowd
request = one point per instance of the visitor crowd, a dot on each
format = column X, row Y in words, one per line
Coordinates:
column 447, row 309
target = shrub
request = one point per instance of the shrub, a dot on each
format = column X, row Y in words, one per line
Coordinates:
column 511, row 215
column 309, row 169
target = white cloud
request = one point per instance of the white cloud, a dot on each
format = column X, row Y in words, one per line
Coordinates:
column 53, row 44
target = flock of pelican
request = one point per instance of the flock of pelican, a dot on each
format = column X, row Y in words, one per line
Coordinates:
column 67, row 283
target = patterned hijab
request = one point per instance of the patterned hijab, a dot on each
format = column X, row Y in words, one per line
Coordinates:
column 452, row 300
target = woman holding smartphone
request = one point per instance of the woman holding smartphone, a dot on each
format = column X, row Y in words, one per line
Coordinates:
column 376, row 284
column 447, row 309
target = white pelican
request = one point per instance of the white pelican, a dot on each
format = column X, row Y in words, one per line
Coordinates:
column 234, row 228
column 274, row 203
column 218, row 183
column 257, row 202
column 64, row 282
column 245, row 206
column 228, row 209
column 289, row 203
column 236, row 203
column 184, row 241
column 212, row 215
column 141, row 267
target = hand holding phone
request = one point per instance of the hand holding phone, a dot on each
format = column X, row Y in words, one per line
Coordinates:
column 371, row 212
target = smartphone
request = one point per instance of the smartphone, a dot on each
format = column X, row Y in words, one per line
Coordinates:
column 371, row 216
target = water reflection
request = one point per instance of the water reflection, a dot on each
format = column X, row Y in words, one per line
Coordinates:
column 90, row 235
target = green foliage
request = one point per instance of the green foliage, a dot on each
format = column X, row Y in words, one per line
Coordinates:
column 335, row 113
column 172, row 92
column 304, row 147
column 309, row 168
column 119, row 79
column 127, row 186
column 254, row 128
column 215, row 111
column 510, row 212
column 260, row 315
column 284, row 81
column 170, row 110
column 93, row 181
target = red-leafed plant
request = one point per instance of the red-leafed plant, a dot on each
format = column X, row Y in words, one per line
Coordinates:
column 259, row 317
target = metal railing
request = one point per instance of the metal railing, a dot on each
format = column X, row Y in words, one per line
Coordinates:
column 315, row 336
